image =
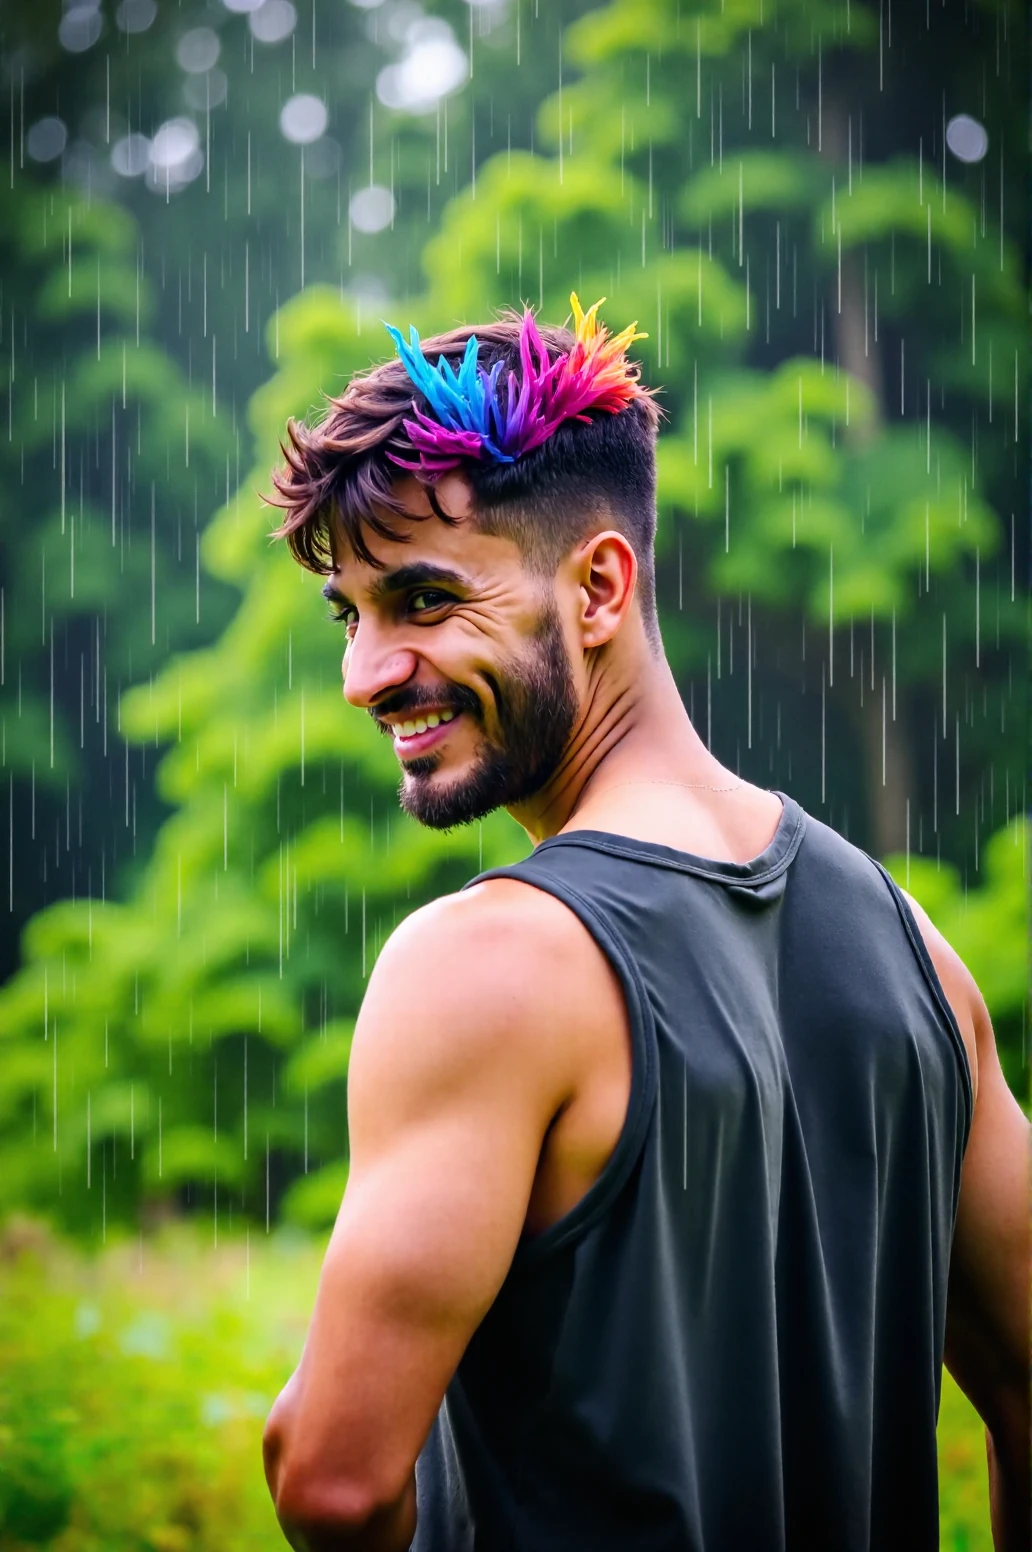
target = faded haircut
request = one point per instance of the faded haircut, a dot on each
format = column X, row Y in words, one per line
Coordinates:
column 339, row 479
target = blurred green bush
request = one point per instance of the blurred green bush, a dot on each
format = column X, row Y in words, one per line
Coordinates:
column 135, row 1387
column 136, row 1384
column 188, row 1041
column 989, row 929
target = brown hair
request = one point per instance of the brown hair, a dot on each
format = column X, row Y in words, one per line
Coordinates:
column 339, row 477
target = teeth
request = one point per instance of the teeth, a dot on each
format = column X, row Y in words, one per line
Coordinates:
column 421, row 724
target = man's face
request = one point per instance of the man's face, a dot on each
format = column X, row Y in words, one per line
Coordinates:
column 484, row 641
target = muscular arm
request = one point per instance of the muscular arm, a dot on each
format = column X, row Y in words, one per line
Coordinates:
column 451, row 1088
column 987, row 1315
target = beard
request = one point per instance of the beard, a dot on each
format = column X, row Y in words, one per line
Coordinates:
column 537, row 707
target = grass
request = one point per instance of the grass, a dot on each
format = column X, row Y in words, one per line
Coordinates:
column 134, row 1386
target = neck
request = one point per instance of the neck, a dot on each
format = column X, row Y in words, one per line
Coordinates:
column 632, row 728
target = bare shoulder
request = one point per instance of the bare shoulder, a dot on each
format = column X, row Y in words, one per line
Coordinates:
column 958, row 984
column 501, row 975
column 505, row 933
column 546, row 942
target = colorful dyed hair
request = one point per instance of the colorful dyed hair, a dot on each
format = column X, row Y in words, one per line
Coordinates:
column 481, row 414
column 340, row 488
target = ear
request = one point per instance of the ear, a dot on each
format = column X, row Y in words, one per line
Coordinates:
column 605, row 575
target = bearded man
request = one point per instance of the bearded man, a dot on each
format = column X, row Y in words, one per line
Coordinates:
column 680, row 1153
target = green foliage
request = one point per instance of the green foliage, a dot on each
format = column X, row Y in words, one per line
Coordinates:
column 135, row 1390
column 988, row 926
column 70, row 553
column 195, row 1040
column 136, row 1385
column 189, row 1039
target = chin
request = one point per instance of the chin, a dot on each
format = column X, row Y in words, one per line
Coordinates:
column 449, row 804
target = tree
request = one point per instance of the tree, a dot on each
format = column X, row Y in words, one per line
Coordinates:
column 109, row 466
column 184, row 170
column 799, row 524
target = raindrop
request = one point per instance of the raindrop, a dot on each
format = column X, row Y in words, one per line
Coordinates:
column 197, row 50
column 303, row 118
column 131, row 155
column 80, row 28
column 46, row 139
column 967, row 138
column 135, row 15
column 372, row 209
column 367, row 5
column 241, row 6
column 202, row 92
column 273, row 21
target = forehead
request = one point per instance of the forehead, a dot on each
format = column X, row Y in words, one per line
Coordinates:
column 425, row 541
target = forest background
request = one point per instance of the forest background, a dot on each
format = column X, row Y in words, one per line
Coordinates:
column 818, row 211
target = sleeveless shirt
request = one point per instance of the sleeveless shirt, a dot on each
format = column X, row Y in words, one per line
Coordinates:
column 733, row 1342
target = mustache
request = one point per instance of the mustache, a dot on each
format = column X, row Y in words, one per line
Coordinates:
column 456, row 700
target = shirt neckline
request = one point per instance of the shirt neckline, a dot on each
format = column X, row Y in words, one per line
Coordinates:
column 768, row 864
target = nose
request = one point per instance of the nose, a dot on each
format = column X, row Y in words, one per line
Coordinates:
column 372, row 666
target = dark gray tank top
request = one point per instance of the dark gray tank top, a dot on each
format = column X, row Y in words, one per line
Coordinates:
column 733, row 1342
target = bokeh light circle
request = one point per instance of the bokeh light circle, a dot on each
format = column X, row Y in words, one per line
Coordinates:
column 303, row 118
column 135, row 15
column 80, row 28
column 198, row 50
column 967, row 138
column 130, row 156
column 202, row 92
column 432, row 66
column 322, row 157
column 273, row 21
column 371, row 209
column 46, row 138
column 174, row 143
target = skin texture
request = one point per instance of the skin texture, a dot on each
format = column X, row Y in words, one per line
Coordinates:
column 486, row 1110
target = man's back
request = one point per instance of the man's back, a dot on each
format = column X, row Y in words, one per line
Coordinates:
column 735, row 1337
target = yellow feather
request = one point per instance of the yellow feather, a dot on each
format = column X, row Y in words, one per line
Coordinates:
column 586, row 325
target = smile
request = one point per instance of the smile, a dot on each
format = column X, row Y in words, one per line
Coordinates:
column 411, row 744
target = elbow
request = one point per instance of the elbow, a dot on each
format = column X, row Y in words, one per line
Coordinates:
column 322, row 1513
column 333, row 1518
column 1008, row 1424
column 1010, row 1476
column 275, row 1440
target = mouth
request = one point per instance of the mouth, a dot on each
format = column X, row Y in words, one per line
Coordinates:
column 407, row 747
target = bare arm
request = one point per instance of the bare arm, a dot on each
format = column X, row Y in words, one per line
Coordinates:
column 987, row 1315
column 451, row 1090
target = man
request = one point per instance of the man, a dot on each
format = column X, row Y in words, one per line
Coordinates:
column 680, row 1152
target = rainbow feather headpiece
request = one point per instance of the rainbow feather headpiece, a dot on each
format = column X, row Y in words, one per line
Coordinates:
column 474, row 413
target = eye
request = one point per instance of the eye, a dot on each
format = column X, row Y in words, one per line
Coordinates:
column 342, row 615
column 429, row 592
column 347, row 614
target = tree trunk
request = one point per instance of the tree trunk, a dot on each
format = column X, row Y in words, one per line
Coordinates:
column 888, row 769
column 888, row 757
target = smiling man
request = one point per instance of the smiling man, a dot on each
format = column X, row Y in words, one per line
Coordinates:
column 680, row 1152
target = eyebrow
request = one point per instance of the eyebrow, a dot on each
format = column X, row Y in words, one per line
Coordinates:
column 415, row 574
